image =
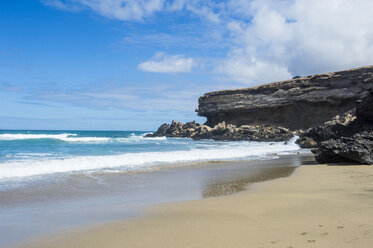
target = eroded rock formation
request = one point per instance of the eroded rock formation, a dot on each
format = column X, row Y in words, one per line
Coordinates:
column 298, row 103
column 223, row 131
column 344, row 139
column 276, row 111
column 340, row 125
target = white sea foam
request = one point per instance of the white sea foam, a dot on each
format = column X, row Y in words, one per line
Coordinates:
column 144, row 160
column 69, row 137
column 28, row 155
column 18, row 136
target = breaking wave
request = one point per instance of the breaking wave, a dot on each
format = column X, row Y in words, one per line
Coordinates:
column 71, row 137
column 140, row 161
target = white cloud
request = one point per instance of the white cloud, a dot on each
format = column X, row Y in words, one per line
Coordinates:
column 267, row 39
column 201, row 9
column 137, row 9
column 176, row 5
column 298, row 38
column 254, row 71
column 163, row 63
column 115, row 9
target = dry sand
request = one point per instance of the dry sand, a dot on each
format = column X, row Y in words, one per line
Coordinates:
column 317, row 206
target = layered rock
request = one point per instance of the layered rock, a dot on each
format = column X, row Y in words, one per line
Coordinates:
column 298, row 103
column 274, row 112
column 223, row 131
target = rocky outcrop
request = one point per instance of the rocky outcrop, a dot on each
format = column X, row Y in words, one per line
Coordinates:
column 340, row 125
column 347, row 139
column 298, row 103
column 176, row 129
column 223, row 131
column 358, row 149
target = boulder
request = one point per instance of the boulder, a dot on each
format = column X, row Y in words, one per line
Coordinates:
column 357, row 149
column 306, row 142
column 341, row 125
column 161, row 131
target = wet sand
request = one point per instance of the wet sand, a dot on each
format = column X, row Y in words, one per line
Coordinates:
column 68, row 202
column 317, row 206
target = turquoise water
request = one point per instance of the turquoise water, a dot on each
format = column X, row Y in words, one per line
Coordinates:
column 15, row 145
column 37, row 154
column 55, row 180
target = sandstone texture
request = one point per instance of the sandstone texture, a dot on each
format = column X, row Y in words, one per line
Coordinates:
column 298, row 103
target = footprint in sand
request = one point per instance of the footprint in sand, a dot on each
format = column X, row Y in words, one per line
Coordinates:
column 304, row 233
column 366, row 232
column 311, row 241
column 353, row 240
column 321, row 225
column 340, row 227
column 324, row 234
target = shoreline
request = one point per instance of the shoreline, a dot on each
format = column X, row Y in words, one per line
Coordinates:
column 77, row 201
column 317, row 206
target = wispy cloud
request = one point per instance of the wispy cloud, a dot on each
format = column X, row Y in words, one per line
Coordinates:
column 115, row 95
column 115, row 9
column 178, row 37
column 63, row 5
column 264, row 40
column 163, row 63
column 138, row 9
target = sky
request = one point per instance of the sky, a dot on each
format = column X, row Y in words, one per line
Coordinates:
column 134, row 64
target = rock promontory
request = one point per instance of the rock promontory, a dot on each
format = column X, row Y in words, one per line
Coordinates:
column 331, row 112
column 298, row 103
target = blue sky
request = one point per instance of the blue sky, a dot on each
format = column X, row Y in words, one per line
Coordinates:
column 132, row 65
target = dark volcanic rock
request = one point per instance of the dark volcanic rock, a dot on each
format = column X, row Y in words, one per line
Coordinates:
column 349, row 140
column 358, row 148
column 340, row 125
column 161, row 131
column 298, row 103
column 364, row 109
column 306, row 142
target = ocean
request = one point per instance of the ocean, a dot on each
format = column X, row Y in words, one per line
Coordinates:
column 52, row 181
column 34, row 155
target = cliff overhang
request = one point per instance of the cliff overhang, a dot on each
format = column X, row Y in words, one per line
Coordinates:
column 297, row 103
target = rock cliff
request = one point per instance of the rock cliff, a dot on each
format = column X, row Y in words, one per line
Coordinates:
column 298, row 103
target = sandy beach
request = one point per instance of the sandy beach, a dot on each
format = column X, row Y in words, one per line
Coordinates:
column 70, row 202
column 317, row 206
